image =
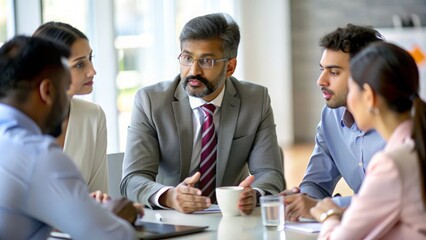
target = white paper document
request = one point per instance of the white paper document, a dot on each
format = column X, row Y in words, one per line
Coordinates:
column 214, row 208
column 309, row 227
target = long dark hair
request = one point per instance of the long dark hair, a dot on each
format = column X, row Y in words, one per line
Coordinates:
column 392, row 73
column 59, row 31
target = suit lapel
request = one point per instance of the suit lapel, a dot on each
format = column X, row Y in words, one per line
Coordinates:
column 183, row 118
column 228, row 123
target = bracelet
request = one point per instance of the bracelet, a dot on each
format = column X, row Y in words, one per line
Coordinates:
column 328, row 214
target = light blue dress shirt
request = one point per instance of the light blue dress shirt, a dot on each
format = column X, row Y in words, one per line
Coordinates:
column 41, row 188
column 341, row 150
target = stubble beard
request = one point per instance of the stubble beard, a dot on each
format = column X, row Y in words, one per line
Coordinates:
column 336, row 101
column 209, row 87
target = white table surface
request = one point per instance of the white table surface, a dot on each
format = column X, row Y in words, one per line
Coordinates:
column 239, row 227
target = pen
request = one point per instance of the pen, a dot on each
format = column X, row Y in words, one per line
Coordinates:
column 159, row 217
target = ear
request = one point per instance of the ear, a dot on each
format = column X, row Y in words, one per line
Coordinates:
column 46, row 91
column 369, row 96
column 230, row 68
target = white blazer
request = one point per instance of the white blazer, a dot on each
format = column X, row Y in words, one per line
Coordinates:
column 86, row 142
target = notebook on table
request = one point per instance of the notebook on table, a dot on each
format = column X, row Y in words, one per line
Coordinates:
column 150, row 230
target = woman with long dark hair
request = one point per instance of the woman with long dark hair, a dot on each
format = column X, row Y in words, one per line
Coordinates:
column 84, row 134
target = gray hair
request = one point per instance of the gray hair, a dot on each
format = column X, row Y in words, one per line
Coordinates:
column 213, row 26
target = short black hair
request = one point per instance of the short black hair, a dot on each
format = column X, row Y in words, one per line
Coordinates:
column 213, row 26
column 24, row 60
column 350, row 39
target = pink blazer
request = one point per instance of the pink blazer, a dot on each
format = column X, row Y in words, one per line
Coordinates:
column 389, row 204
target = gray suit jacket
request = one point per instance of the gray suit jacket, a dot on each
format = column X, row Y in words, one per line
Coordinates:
column 160, row 138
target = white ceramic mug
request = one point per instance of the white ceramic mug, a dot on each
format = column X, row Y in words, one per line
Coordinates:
column 227, row 198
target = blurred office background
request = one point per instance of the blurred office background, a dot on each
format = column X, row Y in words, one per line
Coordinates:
column 135, row 44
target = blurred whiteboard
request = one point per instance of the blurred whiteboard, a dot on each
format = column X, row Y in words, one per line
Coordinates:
column 412, row 39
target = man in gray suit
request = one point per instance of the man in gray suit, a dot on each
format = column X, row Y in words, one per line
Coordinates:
column 163, row 159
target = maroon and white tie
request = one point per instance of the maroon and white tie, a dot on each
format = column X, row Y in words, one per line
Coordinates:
column 208, row 153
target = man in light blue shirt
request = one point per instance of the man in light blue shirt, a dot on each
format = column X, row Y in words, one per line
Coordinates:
column 40, row 186
column 341, row 149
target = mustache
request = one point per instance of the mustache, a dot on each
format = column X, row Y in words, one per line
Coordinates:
column 198, row 77
column 324, row 89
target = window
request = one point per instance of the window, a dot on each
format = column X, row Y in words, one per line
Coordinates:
column 145, row 41
column 72, row 12
column 135, row 43
column 3, row 21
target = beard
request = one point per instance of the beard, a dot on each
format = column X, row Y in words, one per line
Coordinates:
column 335, row 103
column 209, row 86
column 336, row 100
column 56, row 118
column 56, row 131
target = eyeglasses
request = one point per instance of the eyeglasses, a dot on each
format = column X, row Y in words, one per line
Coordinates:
column 188, row 60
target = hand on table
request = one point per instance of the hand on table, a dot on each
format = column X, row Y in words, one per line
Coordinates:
column 248, row 197
column 298, row 205
column 326, row 209
column 289, row 192
column 125, row 209
column 100, row 197
column 185, row 198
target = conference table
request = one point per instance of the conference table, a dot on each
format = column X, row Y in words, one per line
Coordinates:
column 222, row 228
column 238, row 227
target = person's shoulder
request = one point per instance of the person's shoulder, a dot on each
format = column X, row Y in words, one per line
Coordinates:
column 246, row 89
column 85, row 108
column 403, row 153
column 84, row 104
column 24, row 146
column 43, row 148
column 35, row 159
column 54, row 163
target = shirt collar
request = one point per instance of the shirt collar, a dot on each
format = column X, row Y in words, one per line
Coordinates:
column 347, row 119
column 196, row 102
column 11, row 117
column 401, row 134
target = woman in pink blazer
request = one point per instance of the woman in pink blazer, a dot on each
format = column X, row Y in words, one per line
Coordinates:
column 391, row 204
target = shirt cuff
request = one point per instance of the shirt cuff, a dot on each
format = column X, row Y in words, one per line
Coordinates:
column 313, row 191
column 342, row 201
column 259, row 193
column 155, row 198
column 262, row 193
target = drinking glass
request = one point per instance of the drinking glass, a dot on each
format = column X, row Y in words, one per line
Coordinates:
column 272, row 209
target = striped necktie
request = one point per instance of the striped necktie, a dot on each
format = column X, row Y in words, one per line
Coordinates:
column 208, row 153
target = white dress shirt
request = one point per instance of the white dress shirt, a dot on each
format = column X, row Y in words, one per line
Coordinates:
column 197, row 123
